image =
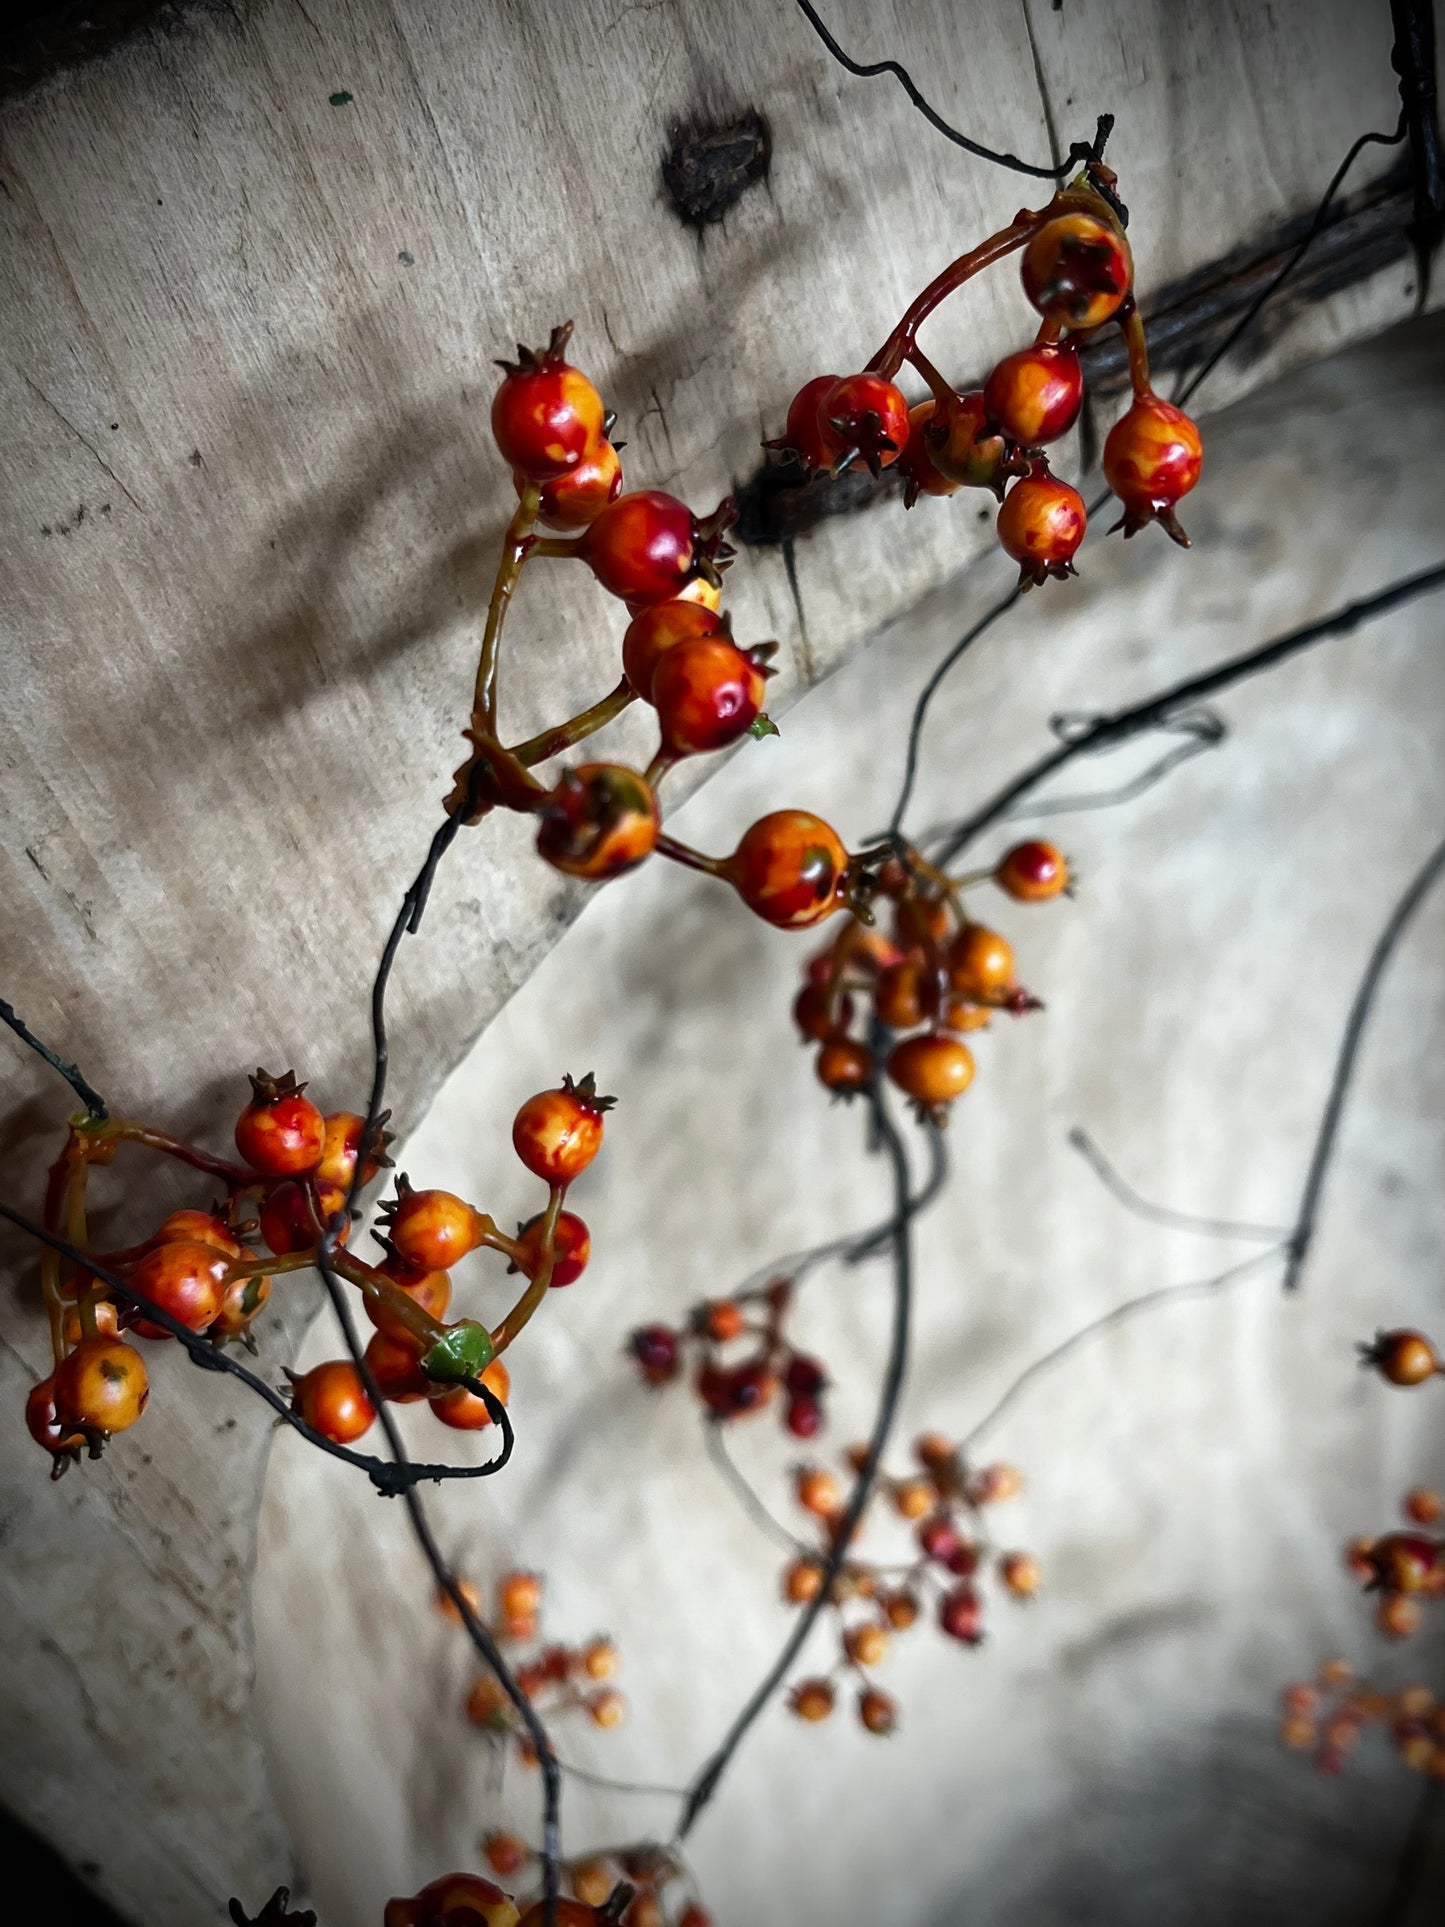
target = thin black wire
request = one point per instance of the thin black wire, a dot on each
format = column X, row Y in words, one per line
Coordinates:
column 706, row 1782
column 1270, row 288
column 1346, row 1059
column 1109, row 730
column 1201, row 733
column 1079, row 152
column 86, row 1092
column 1414, row 1852
column 1124, row 1194
column 389, row 1479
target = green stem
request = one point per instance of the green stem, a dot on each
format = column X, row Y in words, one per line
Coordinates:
column 550, row 742
column 520, row 1314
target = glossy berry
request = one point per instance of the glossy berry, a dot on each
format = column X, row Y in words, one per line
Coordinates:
column 280, row 1132
column 432, row 1230
column 198, row 1228
column 906, row 993
column 708, row 693
column 1405, row 1561
column 845, row 1066
column 456, row 1900
column 820, row 1014
column 914, row 1498
column 571, row 1248
column 1032, row 872
column 600, row 1659
column 802, row 1581
column 964, row 446
column 1152, row 458
column 519, row 1595
column 901, row 1609
column 733, row 1392
column 600, row 820
column 932, row 1069
column 870, row 418
column 921, row 475
column 1077, row 270
column 981, row 964
column 101, row 1385
column 47, row 1428
column 938, row 1538
column 1423, row 1506
column 332, row 1400
column 960, row 1615
column 241, row 1301
column 1402, row 1357
column 1041, row 524
column 1397, row 1617
column 694, row 1916
column 789, row 869
column 507, row 1853
column 573, row 501
column 546, row 415
column 557, row 1133
column 647, row 546
column 463, row 1410
column 592, row 1882
column 803, row 1417
column 432, row 1290
column 812, row 1699
column 721, row 1320
column 877, row 1712
column 1034, row 396
column 817, row 1491
column 657, row 629
column 658, row 1352
column 570, row 1913
column 104, row 1313
column 294, row 1219
column 187, row 1280
column 341, row 1145
column 395, row 1364
column 867, row 1645
column 808, row 438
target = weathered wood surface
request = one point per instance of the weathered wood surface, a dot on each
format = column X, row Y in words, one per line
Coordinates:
column 246, row 520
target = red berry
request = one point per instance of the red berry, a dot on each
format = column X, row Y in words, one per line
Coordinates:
column 960, row 1615
column 241, row 1300
column 458, row 1900
column 546, row 416
column 708, row 693
column 1032, row 872
column 962, row 1562
column 102, row 1385
column 807, row 437
column 647, row 547
column 845, row 1066
column 332, row 1400
column 819, row 1015
column 790, row 869
column 506, row 1853
column 573, row 501
column 1405, row 1561
column 805, row 1377
column 46, row 1426
column 658, row 1351
column 599, row 821
column 199, row 1228
column 571, row 1247
column 293, row 1220
column 1041, row 524
column 803, row 1417
column 1077, row 270
column 1152, row 458
column 869, row 416
column 280, row 1132
column 187, row 1280
column 658, row 628
column 1035, row 396
column 557, row 1133
column 921, row 475
column 732, row 1393
column 938, row 1538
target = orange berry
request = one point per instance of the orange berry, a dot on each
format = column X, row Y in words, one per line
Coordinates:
column 802, row 1581
column 866, row 1645
column 1020, row 1573
column 913, row 1497
column 519, row 1595
column 447, row 1606
column 600, row 1659
column 1396, row 1616
column 592, row 1882
column 608, row 1708
column 1423, row 1506
column 901, row 1609
column 812, row 1699
column 506, row 1853
column 877, row 1712
column 817, row 1491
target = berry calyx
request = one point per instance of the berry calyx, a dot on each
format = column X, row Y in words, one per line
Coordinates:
column 657, row 629
column 546, row 415
column 1034, row 396
column 1032, row 872
column 1077, row 271
column 101, row 1387
column 332, row 1400
column 708, row 693
column 557, row 1133
column 870, row 418
column 571, row 1247
column 1041, row 524
column 599, row 821
column 280, row 1132
column 808, row 438
column 646, row 546
column 1152, row 458
column 790, row 869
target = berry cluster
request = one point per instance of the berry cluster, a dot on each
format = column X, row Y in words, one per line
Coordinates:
column 1078, row 275
column 938, row 974
column 557, row 1679
column 642, row 1885
column 203, row 1269
column 731, row 1385
column 944, row 1502
column 1326, row 1716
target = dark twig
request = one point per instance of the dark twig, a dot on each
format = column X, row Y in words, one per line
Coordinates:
column 713, row 1431
column 1161, row 1214
column 1414, row 1852
column 1319, row 1166
column 1109, row 730
column 1413, row 58
column 1202, row 732
column 1080, row 153
column 86, row 1092
column 706, row 1782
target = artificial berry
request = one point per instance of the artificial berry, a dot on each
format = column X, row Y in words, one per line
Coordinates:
column 600, row 1659
column 573, row 501
column 463, row 1410
column 546, row 415
column 993, row 1483
column 592, row 1881
column 569, row 1913
column 732, row 1393
column 1403, row 1357
column 280, row 1132
column 812, row 1699
column 960, row 1615
column 395, row 1364
column 821, row 1013
column 646, row 546
column 293, row 1218
column 817, row 1491
column 660, row 626
column 187, row 1280
column 802, row 1581
column 789, row 869
column 965, row 448
column 808, row 437
column 707, row 693
column 432, row 1290
column 1358, row 1560
column 960, row 1015
column 507, row 1853
column 1404, row 1561
column 870, row 418
column 1423, row 1506
column 607, row 1708
column 962, row 1562
column 921, row 475
column 658, row 1351
column 1152, row 458
column 877, row 1712
column 901, row 1609
column 867, row 1645
column 1034, row 396
column 198, row 1228
column 981, row 964
column 905, row 994
column 47, row 1428
column 432, row 1230
column 101, row 1386
column 1397, row 1617
column 600, row 820
column 938, row 1538
column 571, row 1247
column 332, row 1400
column 1032, row 872
column 1077, row 271
column 519, row 1595
column 341, row 1145
column 913, row 1498
column 933, row 1070
column 694, row 1916
column 241, row 1300
column 459, row 1900
column 1041, row 524
column 1020, row 1573
column 845, row 1066
column 557, row 1133
column 803, row 1417
column 934, row 1450
column 805, row 1376
column 448, row 1608
column 104, row 1315
column 721, row 1320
